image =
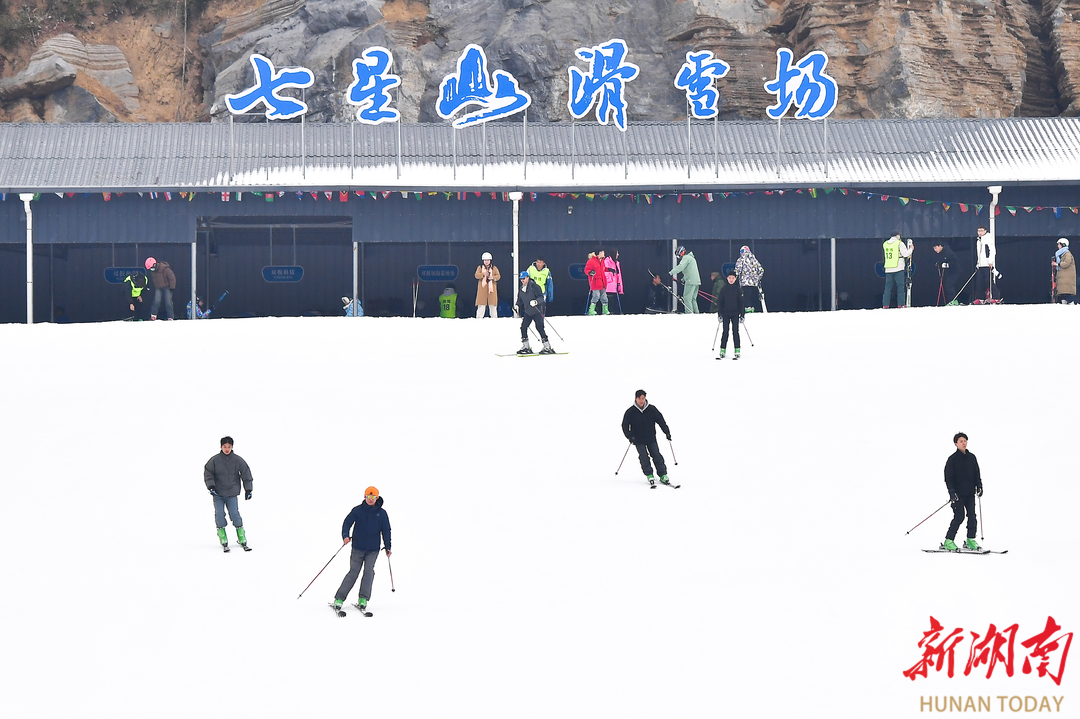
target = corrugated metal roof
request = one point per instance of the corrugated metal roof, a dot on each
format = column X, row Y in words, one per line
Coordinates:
column 549, row 156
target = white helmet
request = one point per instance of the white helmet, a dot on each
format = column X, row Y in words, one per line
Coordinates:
column 1063, row 241
column 485, row 256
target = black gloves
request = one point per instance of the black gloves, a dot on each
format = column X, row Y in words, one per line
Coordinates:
column 247, row 494
column 213, row 492
column 668, row 437
column 592, row 273
column 978, row 491
column 954, row 498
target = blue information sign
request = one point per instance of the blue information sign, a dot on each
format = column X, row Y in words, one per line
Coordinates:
column 116, row 275
column 437, row 273
column 577, row 271
column 283, row 273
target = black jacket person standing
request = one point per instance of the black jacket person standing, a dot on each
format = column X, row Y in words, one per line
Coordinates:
column 730, row 307
column 964, row 482
column 639, row 426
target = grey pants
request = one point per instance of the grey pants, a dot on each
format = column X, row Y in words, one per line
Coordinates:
column 359, row 560
column 597, row 296
column 220, row 503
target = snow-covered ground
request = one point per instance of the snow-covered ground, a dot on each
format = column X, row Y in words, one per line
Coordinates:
column 531, row 580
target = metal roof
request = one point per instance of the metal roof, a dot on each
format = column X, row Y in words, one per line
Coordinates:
column 542, row 157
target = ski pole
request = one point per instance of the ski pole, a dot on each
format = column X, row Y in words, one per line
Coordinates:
column 717, row 333
column 982, row 532
column 321, row 571
column 969, row 279
column 623, row 457
column 669, row 444
column 743, row 320
column 931, row 515
column 388, row 566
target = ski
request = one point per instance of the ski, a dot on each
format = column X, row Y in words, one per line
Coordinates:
column 337, row 610
column 363, row 610
column 669, row 484
column 965, row 551
column 246, row 547
column 534, row 354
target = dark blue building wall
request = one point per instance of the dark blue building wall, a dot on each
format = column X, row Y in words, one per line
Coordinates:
column 788, row 232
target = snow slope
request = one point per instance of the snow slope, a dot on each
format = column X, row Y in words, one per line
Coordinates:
column 531, row 580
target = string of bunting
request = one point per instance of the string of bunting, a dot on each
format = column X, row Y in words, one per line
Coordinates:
column 647, row 197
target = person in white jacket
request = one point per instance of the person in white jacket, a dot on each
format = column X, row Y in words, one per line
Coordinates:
column 896, row 252
column 986, row 274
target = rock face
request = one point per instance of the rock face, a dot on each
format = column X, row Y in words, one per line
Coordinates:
column 890, row 58
column 104, row 64
column 76, row 104
column 42, row 76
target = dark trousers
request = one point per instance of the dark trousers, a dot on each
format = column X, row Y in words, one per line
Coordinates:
column 644, row 450
column 947, row 286
column 965, row 504
column 359, row 561
column 752, row 298
column 733, row 323
column 539, row 320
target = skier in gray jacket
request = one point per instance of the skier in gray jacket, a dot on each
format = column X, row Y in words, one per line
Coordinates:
column 224, row 473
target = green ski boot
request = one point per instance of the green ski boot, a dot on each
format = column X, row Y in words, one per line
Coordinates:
column 972, row 545
column 664, row 479
column 592, row 310
column 723, row 352
column 338, row 603
column 949, row 545
column 224, row 540
column 652, row 481
column 606, row 310
column 241, row 538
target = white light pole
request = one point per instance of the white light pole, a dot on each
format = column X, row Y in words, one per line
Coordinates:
column 26, row 197
column 515, row 197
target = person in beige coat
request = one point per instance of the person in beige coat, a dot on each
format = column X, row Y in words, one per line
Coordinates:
column 487, row 293
column 1065, row 282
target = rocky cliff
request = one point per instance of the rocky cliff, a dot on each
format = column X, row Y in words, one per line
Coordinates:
column 891, row 58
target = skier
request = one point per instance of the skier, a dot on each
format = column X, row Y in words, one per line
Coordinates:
column 1065, row 273
column 750, row 271
column 946, row 260
column 164, row 280
column 367, row 526
column 718, row 283
column 986, row 290
column 541, row 275
column 964, row 482
column 594, row 270
column 613, row 271
column 895, row 264
column 530, row 307
column 350, row 311
column 137, row 283
column 487, row 292
column 656, row 296
column 691, row 278
column 223, row 474
column 639, row 426
column 731, row 309
column 200, row 311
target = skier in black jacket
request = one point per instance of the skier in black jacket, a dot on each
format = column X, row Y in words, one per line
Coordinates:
column 730, row 309
column 530, row 307
column 639, row 425
column 948, row 265
column 964, row 482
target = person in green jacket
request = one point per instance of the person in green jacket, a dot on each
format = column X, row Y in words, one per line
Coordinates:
column 691, row 279
column 718, row 283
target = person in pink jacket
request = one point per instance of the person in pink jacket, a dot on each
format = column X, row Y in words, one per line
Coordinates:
column 613, row 271
column 594, row 272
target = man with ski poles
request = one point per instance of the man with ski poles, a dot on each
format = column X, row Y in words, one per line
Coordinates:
column 964, row 482
column 367, row 527
column 639, row 427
